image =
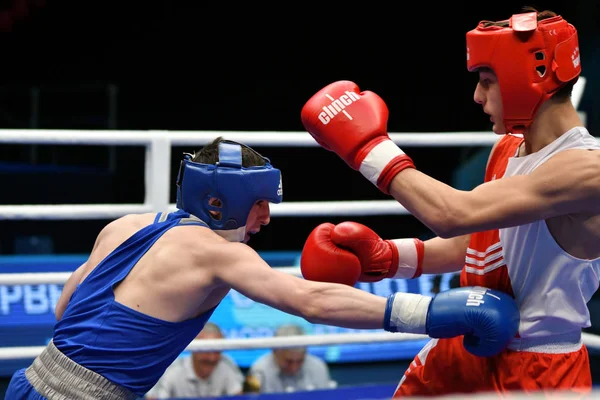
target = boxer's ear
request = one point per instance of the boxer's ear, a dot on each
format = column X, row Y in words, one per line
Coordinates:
column 215, row 202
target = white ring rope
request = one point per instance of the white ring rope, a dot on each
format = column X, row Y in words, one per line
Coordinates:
column 9, row 353
column 59, row 278
column 110, row 211
column 195, row 138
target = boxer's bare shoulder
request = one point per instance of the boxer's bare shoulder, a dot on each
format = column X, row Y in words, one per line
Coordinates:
column 177, row 270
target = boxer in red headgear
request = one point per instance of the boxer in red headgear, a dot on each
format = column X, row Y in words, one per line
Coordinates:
column 531, row 230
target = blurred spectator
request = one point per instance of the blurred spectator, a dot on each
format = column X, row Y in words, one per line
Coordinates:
column 202, row 374
column 289, row 370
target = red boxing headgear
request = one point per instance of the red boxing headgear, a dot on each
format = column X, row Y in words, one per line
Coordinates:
column 531, row 60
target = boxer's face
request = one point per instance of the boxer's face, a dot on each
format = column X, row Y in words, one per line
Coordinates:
column 289, row 360
column 206, row 362
column 487, row 93
column 260, row 215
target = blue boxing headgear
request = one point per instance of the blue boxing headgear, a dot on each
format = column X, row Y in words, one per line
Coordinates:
column 237, row 187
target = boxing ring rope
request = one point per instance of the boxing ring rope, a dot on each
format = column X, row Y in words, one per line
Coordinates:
column 205, row 345
column 112, row 211
column 59, row 278
column 9, row 353
column 158, row 169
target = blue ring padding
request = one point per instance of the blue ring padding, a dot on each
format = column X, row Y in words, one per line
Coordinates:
column 363, row 392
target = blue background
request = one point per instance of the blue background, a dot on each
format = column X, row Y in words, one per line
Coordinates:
column 27, row 313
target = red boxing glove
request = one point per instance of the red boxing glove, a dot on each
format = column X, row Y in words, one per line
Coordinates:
column 353, row 124
column 378, row 257
column 323, row 261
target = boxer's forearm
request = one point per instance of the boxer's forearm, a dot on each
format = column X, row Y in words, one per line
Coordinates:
column 432, row 202
column 344, row 306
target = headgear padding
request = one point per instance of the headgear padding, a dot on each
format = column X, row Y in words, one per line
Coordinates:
column 531, row 60
column 237, row 187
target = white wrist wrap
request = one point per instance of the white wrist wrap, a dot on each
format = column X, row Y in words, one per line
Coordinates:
column 377, row 159
column 408, row 258
column 408, row 313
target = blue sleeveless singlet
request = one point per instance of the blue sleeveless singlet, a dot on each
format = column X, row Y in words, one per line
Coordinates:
column 125, row 346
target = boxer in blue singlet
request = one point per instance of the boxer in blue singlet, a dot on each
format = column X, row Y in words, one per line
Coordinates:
column 153, row 280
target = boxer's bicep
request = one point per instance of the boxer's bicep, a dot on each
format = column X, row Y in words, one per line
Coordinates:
column 241, row 268
column 568, row 183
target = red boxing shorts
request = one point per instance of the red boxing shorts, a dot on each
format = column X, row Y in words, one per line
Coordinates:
column 443, row 367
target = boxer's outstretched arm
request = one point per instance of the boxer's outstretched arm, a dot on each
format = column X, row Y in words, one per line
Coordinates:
column 241, row 268
column 488, row 328
column 567, row 183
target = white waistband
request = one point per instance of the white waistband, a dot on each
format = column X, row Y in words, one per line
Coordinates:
column 57, row 377
column 563, row 343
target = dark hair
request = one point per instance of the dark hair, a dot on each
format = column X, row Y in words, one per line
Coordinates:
column 565, row 91
column 209, row 154
column 541, row 15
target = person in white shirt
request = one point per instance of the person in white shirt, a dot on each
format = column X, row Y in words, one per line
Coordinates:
column 202, row 374
column 290, row 370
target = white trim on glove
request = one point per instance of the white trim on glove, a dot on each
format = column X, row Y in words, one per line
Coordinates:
column 378, row 158
column 408, row 258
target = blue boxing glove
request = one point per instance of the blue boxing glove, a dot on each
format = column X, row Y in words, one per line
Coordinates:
column 488, row 319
